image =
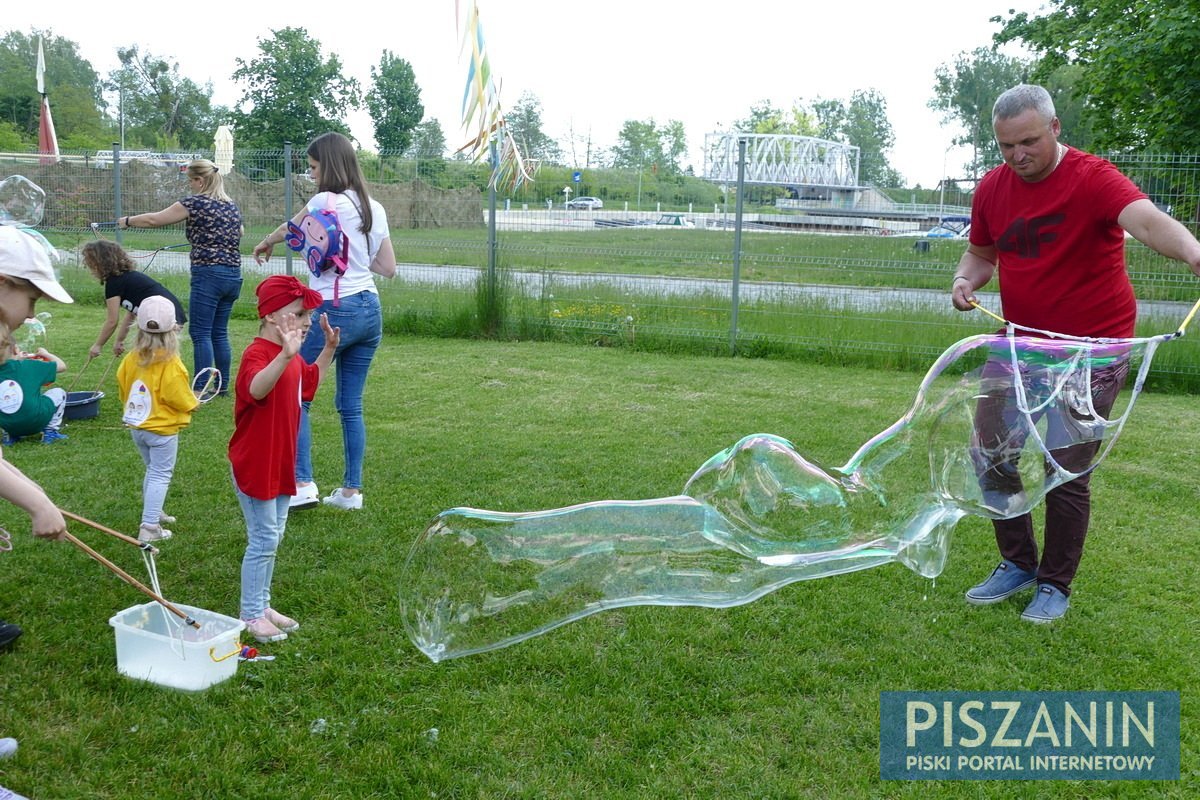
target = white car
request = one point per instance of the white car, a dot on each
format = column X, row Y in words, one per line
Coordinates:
column 585, row 204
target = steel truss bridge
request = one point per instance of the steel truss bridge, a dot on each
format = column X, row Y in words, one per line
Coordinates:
column 781, row 160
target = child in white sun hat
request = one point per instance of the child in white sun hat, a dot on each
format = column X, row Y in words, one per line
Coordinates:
column 158, row 401
column 26, row 275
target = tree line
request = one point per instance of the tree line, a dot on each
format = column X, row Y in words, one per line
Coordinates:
column 1124, row 77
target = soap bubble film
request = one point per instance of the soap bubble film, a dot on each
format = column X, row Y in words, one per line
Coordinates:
column 759, row 515
column 22, row 202
column 32, row 333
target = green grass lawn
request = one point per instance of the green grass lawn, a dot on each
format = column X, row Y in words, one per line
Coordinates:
column 778, row 698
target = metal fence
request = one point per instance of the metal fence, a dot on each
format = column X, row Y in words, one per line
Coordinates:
column 660, row 261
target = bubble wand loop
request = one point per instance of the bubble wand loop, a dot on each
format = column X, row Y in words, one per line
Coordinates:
column 210, row 387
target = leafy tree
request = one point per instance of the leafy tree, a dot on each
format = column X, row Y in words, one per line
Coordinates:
column 428, row 140
column 394, row 102
column 293, row 93
column 429, row 149
column 765, row 118
column 1070, row 106
column 1137, row 61
column 78, row 122
column 964, row 93
column 10, row 137
column 524, row 122
column 74, row 88
column 863, row 123
column 831, row 118
column 642, row 144
column 162, row 108
column 674, row 145
column 638, row 144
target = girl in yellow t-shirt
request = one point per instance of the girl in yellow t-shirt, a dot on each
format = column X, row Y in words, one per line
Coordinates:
column 158, row 401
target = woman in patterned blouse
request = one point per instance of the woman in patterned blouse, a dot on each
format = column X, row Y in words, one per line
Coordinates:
column 214, row 229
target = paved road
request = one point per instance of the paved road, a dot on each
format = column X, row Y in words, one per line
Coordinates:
column 851, row 298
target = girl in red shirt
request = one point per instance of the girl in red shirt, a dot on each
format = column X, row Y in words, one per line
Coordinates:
column 272, row 380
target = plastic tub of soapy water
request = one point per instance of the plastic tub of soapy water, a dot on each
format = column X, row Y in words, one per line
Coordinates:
column 155, row 645
column 82, row 405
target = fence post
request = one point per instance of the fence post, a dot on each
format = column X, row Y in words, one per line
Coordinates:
column 493, row 312
column 116, row 168
column 288, row 196
column 737, row 246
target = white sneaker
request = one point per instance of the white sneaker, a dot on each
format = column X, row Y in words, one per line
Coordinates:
column 153, row 533
column 166, row 519
column 8, row 747
column 305, row 497
column 339, row 500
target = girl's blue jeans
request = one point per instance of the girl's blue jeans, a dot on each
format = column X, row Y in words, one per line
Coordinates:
column 361, row 321
column 265, row 523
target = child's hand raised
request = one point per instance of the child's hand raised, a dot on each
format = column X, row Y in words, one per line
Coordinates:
column 292, row 331
column 333, row 336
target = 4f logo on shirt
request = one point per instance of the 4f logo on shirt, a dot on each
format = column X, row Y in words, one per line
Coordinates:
column 1025, row 237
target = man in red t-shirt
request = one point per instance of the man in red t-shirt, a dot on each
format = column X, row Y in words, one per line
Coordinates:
column 1053, row 219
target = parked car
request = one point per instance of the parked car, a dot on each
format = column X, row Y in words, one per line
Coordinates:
column 950, row 228
column 585, row 204
column 675, row 221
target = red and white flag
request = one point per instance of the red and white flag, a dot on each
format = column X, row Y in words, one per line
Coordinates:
column 47, row 139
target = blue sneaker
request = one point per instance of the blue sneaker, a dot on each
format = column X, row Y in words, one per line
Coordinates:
column 50, row 436
column 1047, row 605
column 8, row 441
column 1005, row 581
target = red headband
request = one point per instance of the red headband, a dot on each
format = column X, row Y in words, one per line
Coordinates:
column 279, row 290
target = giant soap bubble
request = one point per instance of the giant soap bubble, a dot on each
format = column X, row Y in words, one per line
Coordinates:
column 22, row 205
column 22, row 202
column 759, row 515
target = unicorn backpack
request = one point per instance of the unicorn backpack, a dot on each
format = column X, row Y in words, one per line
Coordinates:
column 320, row 239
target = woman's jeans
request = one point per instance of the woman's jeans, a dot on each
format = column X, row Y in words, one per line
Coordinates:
column 361, row 321
column 158, row 454
column 214, row 290
column 265, row 522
